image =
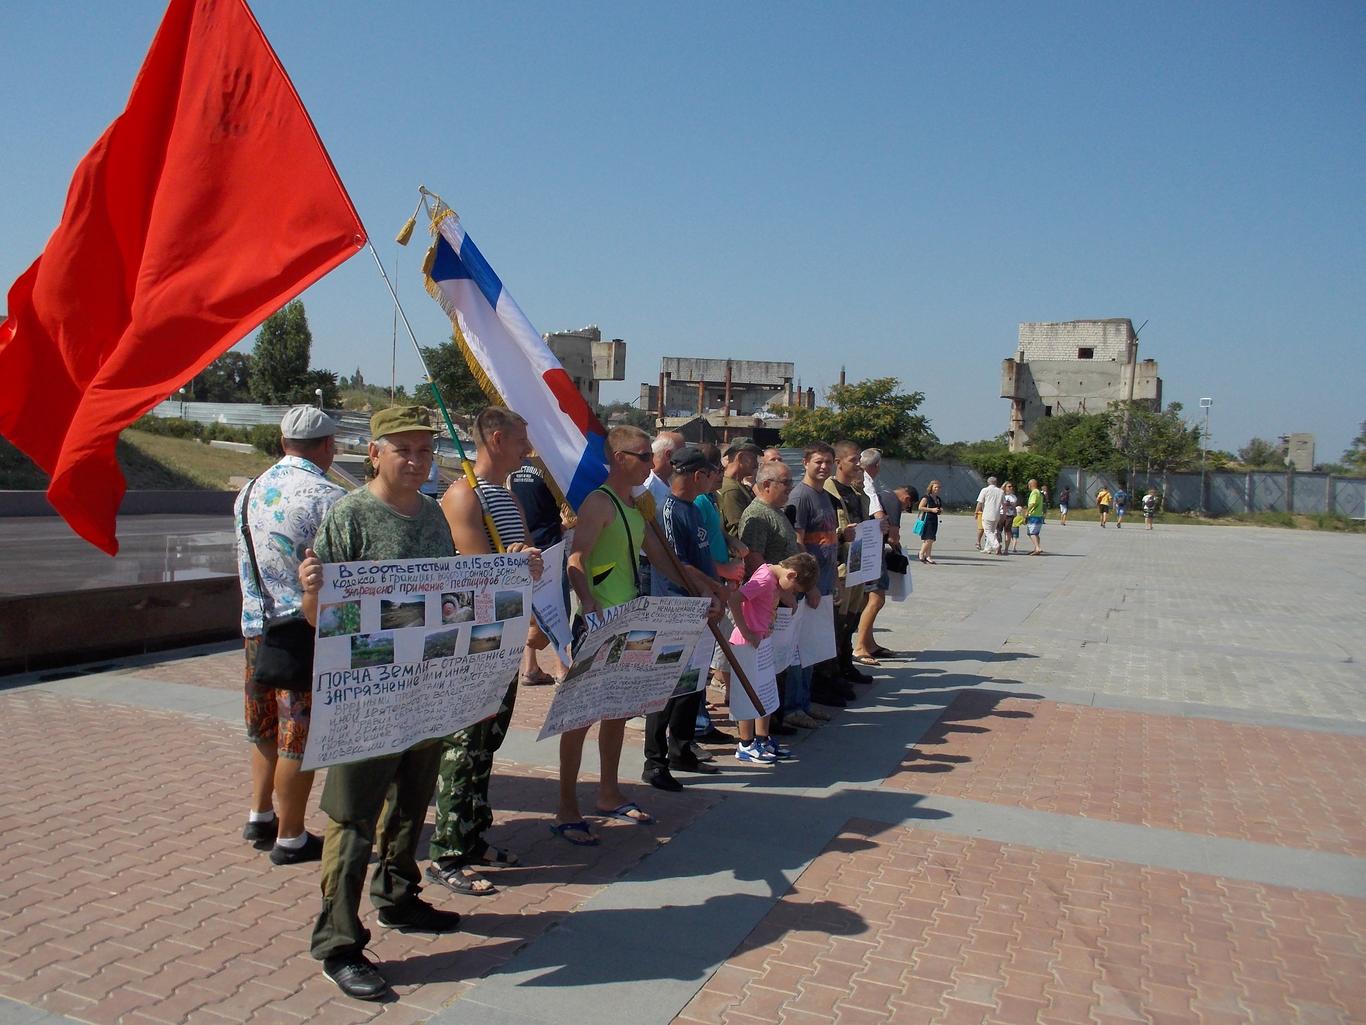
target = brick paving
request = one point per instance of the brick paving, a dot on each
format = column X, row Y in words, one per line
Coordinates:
column 126, row 894
column 908, row 925
column 1273, row 785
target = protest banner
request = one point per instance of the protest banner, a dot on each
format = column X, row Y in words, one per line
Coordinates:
column 758, row 666
column 864, row 564
column 784, row 637
column 548, row 599
column 816, row 639
column 632, row 660
column 410, row 650
column 701, row 660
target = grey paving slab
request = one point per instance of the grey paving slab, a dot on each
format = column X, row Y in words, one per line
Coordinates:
column 157, row 695
column 12, row 1012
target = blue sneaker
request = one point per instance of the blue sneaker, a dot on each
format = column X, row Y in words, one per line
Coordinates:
column 778, row 751
column 754, row 754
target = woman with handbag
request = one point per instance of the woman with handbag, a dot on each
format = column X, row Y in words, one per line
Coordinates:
column 928, row 524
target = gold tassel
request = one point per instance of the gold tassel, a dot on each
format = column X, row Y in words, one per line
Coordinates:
column 406, row 232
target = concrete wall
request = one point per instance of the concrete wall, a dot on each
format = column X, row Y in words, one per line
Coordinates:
column 1229, row 494
column 686, row 369
column 1059, row 340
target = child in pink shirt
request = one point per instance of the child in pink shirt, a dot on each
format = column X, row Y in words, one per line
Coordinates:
column 759, row 597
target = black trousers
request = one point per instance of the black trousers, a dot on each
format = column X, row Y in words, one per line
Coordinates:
column 669, row 731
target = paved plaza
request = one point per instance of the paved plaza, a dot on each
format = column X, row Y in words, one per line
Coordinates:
column 1120, row 783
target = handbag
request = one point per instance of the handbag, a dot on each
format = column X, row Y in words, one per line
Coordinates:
column 919, row 527
column 284, row 657
column 896, row 561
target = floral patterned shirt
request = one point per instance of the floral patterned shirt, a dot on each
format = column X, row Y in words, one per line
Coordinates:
column 287, row 507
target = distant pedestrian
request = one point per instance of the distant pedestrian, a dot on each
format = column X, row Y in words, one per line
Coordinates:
column 1064, row 500
column 930, row 507
column 1103, row 504
column 989, row 517
column 1034, row 516
column 278, row 515
column 1149, row 508
column 1009, row 528
column 1121, row 506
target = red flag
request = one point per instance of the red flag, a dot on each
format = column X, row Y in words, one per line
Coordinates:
column 204, row 207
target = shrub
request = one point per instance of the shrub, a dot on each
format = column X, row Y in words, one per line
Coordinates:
column 266, row 437
column 172, row 427
column 1018, row 467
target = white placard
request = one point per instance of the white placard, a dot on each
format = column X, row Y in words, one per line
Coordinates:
column 816, row 636
column 634, row 657
column 702, row 656
column 758, row 666
column 784, row 637
column 864, row 563
column 409, row 650
column 547, row 599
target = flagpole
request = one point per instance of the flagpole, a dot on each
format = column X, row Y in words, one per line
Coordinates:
column 465, row 464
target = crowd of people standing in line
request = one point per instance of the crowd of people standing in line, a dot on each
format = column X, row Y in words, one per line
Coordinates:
column 738, row 527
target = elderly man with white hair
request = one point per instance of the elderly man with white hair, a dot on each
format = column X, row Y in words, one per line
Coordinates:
column 886, row 509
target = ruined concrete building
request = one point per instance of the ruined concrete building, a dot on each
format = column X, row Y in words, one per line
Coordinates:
column 741, row 387
column 1077, row 366
column 587, row 359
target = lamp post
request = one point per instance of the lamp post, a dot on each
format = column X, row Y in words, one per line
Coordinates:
column 319, row 392
column 181, row 393
column 1205, row 403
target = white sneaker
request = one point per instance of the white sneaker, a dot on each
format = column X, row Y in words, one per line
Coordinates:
column 752, row 753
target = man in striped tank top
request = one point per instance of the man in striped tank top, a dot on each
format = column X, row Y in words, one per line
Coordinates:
column 463, row 812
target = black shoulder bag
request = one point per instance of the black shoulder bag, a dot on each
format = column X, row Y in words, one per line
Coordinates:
column 284, row 659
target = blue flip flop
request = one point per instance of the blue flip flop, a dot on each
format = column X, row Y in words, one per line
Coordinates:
column 623, row 814
column 564, row 830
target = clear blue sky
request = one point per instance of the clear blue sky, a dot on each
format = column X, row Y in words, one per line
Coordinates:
column 892, row 186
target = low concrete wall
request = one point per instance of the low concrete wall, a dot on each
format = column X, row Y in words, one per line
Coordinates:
column 1229, row 493
column 135, row 503
column 41, row 630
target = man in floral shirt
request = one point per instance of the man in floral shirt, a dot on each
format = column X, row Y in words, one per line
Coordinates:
column 284, row 509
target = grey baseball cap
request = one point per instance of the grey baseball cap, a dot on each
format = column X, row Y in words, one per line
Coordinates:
column 305, row 422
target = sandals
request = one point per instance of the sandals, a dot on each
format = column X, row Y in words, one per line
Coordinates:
column 576, row 833
column 624, row 813
column 494, row 856
column 540, row 678
column 866, row 660
column 462, row 879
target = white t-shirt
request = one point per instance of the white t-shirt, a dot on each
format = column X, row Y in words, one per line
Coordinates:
column 991, row 503
column 870, row 489
column 658, row 489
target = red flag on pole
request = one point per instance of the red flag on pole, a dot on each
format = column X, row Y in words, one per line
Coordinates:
column 205, row 206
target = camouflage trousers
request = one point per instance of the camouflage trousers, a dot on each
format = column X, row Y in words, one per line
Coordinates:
column 463, row 812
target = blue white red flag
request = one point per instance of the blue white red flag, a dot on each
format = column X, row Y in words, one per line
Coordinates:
column 516, row 360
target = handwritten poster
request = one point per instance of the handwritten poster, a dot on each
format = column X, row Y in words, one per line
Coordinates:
column 548, row 598
column 409, row 650
column 864, row 564
column 784, row 637
column 759, row 670
column 634, row 658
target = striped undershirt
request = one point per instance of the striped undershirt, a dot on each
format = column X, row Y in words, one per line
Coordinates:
column 507, row 517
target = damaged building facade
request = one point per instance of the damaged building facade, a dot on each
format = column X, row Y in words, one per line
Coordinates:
column 1075, row 366
column 587, row 359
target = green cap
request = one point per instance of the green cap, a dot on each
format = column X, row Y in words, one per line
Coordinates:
column 396, row 419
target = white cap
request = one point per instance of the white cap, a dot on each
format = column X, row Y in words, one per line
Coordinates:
column 303, row 423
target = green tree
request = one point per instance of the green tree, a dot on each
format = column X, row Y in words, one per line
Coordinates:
column 872, row 413
column 1260, row 454
column 226, row 379
column 459, row 389
column 625, row 413
column 1355, row 456
column 279, row 363
column 1152, row 441
column 1077, row 439
column 327, row 381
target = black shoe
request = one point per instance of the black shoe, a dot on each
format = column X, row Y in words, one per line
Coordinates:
column 356, row 977
column 693, row 765
column 261, row 835
column 830, row 698
column 661, row 780
column 715, row 736
column 419, row 916
column 782, row 730
column 856, row 676
column 312, row 850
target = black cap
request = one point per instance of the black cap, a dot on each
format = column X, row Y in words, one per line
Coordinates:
column 743, row 446
column 690, row 460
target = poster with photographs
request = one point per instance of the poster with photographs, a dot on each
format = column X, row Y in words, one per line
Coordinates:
column 761, row 674
column 549, row 597
column 634, row 658
column 864, row 565
column 409, row 650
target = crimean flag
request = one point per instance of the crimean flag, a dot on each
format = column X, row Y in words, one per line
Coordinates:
column 205, row 206
column 514, row 361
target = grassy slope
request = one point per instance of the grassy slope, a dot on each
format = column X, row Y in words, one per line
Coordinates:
column 150, row 462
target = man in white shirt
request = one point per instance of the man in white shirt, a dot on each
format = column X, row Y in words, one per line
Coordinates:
column 989, row 502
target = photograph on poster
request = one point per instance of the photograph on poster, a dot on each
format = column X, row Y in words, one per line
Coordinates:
column 339, row 619
column 670, row 654
column 441, row 644
column 507, row 605
column 640, row 640
column 488, row 637
column 395, row 615
column 688, row 682
column 614, row 651
column 374, row 649
column 457, row 607
column 855, row 556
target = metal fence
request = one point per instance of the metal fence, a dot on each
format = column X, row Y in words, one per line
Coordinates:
column 1228, row 494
